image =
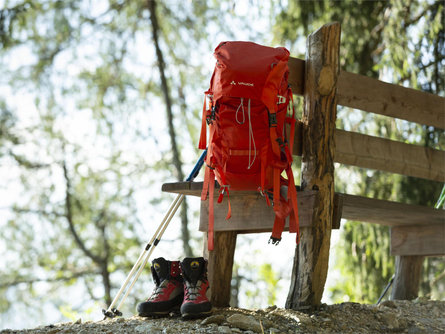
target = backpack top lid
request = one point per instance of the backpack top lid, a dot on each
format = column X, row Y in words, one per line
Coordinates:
column 249, row 70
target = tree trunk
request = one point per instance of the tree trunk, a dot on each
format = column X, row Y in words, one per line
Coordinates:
column 312, row 254
column 171, row 130
column 407, row 278
column 100, row 261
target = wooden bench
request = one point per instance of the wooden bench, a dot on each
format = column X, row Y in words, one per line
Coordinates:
column 416, row 231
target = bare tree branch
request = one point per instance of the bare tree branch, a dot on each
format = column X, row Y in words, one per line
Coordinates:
column 69, row 217
column 23, row 280
column 171, row 130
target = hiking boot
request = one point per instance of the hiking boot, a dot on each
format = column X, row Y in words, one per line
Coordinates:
column 194, row 273
column 168, row 293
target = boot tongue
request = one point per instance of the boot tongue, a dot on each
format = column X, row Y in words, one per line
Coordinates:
column 193, row 269
column 160, row 269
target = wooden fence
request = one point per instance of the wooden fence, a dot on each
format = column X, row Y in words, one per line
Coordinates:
column 416, row 231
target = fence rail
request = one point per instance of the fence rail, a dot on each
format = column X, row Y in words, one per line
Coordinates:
column 372, row 95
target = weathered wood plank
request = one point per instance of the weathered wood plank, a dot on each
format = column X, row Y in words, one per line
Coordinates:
column 388, row 155
column 351, row 207
column 360, row 92
column 425, row 240
column 371, row 210
column 372, row 95
column 220, row 266
column 296, row 75
column 320, row 105
column 371, row 152
column 407, row 277
column 250, row 213
column 184, row 187
column 298, row 138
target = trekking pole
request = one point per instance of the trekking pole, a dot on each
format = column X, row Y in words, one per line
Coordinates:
column 112, row 312
column 141, row 268
column 385, row 290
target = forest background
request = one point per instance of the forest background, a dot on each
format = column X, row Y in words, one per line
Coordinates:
column 100, row 104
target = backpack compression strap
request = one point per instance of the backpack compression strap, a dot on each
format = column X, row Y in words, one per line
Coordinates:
column 281, row 206
column 203, row 137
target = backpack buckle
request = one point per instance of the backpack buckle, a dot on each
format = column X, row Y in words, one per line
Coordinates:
column 272, row 120
column 274, row 241
column 281, row 99
column 282, row 143
column 211, row 117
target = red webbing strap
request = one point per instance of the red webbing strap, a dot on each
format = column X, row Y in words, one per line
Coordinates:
column 203, row 137
column 210, row 232
column 276, row 187
column 224, row 189
column 294, row 224
column 208, row 161
column 222, row 192
column 278, row 225
column 205, row 185
column 292, row 123
column 277, row 230
column 281, row 213
column 274, row 142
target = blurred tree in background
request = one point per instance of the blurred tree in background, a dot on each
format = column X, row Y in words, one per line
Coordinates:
column 81, row 145
column 401, row 42
column 100, row 105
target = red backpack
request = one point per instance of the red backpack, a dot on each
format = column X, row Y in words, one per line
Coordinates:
column 248, row 147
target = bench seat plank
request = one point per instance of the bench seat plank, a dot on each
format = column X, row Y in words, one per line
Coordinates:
column 249, row 204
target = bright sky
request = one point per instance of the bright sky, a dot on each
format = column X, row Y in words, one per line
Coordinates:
column 78, row 127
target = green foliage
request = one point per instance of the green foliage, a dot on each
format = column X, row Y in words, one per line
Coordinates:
column 258, row 282
column 404, row 43
column 82, row 118
column 271, row 278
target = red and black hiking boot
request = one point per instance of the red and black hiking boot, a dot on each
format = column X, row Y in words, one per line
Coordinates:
column 194, row 273
column 168, row 293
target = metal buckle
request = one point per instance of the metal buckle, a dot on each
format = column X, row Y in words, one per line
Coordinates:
column 281, row 99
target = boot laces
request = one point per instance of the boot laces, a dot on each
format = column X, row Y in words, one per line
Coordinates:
column 192, row 291
column 159, row 290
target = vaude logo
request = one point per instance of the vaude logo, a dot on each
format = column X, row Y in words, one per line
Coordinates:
column 242, row 83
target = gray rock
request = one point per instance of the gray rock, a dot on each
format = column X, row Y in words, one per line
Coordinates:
column 390, row 320
column 148, row 328
column 417, row 330
column 389, row 303
column 245, row 322
column 224, row 330
column 214, row 319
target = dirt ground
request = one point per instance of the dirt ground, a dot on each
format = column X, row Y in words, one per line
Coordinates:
column 420, row 316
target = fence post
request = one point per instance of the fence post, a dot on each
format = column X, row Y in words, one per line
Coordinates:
column 220, row 266
column 407, row 278
column 320, row 105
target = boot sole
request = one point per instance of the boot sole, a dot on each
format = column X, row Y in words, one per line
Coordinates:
column 196, row 315
column 175, row 311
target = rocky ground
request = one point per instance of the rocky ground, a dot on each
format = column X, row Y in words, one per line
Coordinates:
column 416, row 317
